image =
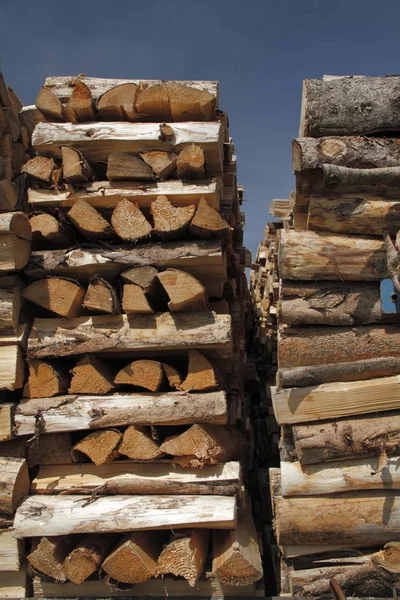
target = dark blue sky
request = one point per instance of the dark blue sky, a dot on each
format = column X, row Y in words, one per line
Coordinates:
column 260, row 51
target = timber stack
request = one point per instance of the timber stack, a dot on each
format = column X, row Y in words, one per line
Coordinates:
column 335, row 496
column 133, row 417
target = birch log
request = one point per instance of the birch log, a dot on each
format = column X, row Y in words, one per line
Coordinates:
column 74, row 413
column 64, row 515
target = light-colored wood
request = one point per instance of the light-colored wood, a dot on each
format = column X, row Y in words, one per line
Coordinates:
column 207, row 222
column 121, row 333
column 62, row 515
column 147, row 374
column 163, row 164
column 11, row 367
column 48, row 554
column 74, row 413
column 61, row 296
column 190, row 163
column 10, row 306
column 91, row 224
column 170, row 222
column 14, row 483
column 202, row 375
column 173, row 376
column 50, row 449
column 48, row 232
column 40, row 167
column 135, row 301
column 334, row 400
column 118, row 103
column 128, row 477
column 80, row 105
column 129, row 222
column 91, row 376
column 185, row 556
column 101, row 447
column 49, row 105
column 134, row 558
column 122, row 166
column 86, row 557
column 45, row 379
column 12, row 552
column 101, row 297
column 185, row 292
column 15, row 241
column 139, row 276
column 6, row 421
column 133, row 138
column 74, row 165
column 177, row 101
column 137, row 444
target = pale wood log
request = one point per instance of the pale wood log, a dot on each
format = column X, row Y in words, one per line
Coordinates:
column 185, row 292
column 91, row 376
column 122, row 333
column 62, row 515
column 134, row 300
column 175, row 101
column 8, row 194
column 185, row 556
column 207, row 222
column 45, row 379
column 310, row 255
column 48, row 555
column 118, row 103
column 10, row 306
column 101, row 297
column 100, row 447
column 170, row 222
column 137, row 444
column 50, row 449
column 14, row 483
column 135, row 138
column 61, row 296
column 40, row 167
column 347, row 438
column 12, row 552
column 106, row 194
column 74, row 165
column 49, row 105
column 300, row 347
column 74, row 413
column 163, row 164
column 134, row 559
column 203, row 444
column 80, row 105
column 15, row 238
column 128, row 477
column 86, row 557
column 128, row 167
column 11, row 367
column 148, row 374
column 129, row 222
column 236, row 554
column 89, row 221
column 349, row 106
column 190, row 163
column 202, row 375
column 139, row 276
column 48, row 232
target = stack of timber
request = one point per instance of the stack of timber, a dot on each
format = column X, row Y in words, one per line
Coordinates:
column 335, row 496
column 133, row 414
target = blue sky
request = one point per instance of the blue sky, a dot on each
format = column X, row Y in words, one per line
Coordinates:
column 260, row 51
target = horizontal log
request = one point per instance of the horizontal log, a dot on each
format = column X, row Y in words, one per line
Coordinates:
column 129, row 477
column 14, row 483
column 64, row 515
column 299, row 347
column 15, row 238
column 311, row 255
column 12, row 552
column 11, row 366
column 75, row 412
column 339, row 476
column 107, row 194
column 135, row 138
column 14, row 584
column 335, row 400
column 331, row 303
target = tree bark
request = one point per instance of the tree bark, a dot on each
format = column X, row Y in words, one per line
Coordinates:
column 101, row 447
column 185, row 556
column 15, row 238
column 45, row 380
column 89, row 222
column 134, row 559
column 186, row 294
column 86, row 557
column 146, row 374
column 60, row 296
column 118, row 103
column 170, row 222
column 201, row 375
column 48, row 555
column 122, row 166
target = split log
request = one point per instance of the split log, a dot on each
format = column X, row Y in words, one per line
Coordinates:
column 310, row 255
column 201, row 376
column 368, row 519
column 15, row 238
column 163, row 164
column 139, row 276
column 128, row 167
column 101, row 297
column 328, row 303
column 299, row 347
column 45, row 380
column 173, row 376
column 170, row 222
column 147, row 374
column 80, row 105
column 87, row 557
column 207, row 222
column 185, row 292
column 48, row 555
column 40, row 167
column 11, row 368
column 236, row 555
column 89, row 221
column 118, row 103
column 175, row 101
column 134, row 300
column 137, row 444
column 8, row 194
column 14, row 483
column 202, row 445
column 134, row 559
column 48, row 232
column 50, row 449
column 64, row 515
column 92, row 376
column 129, row 222
column 128, row 477
column 49, row 105
column 339, row 476
column 347, row 438
column 100, row 447
column 349, row 106
column 12, row 553
column 185, row 556
column 10, row 306
column 75, row 413
column 61, row 296
column 133, row 138
column 190, row 163
column 75, row 168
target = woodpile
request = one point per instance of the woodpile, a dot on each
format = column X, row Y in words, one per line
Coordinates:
column 127, row 446
column 336, row 398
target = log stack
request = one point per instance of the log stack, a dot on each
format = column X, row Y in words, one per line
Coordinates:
column 335, row 496
column 133, row 413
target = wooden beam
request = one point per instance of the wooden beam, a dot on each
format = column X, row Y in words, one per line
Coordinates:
column 63, row 515
column 12, row 552
column 185, row 555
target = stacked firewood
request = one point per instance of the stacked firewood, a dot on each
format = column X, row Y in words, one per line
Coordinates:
column 133, row 412
column 337, row 390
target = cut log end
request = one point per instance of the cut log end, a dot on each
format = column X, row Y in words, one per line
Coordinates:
column 185, row 292
column 170, row 222
column 148, row 374
column 61, row 296
column 129, row 222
